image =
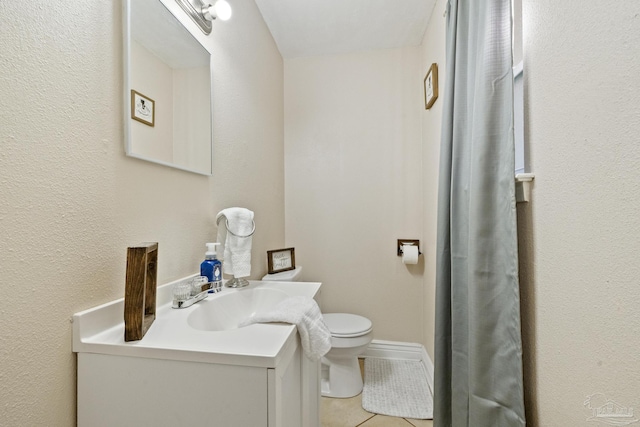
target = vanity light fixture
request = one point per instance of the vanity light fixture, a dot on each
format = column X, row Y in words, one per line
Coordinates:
column 203, row 12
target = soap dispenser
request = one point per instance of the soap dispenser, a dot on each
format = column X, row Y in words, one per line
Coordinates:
column 211, row 267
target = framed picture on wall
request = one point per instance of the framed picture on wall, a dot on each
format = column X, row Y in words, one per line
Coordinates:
column 431, row 86
column 281, row 260
column 143, row 108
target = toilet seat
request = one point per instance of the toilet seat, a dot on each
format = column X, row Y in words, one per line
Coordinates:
column 345, row 325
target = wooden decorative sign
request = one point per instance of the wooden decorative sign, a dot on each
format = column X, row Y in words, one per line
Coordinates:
column 140, row 290
column 281, row 260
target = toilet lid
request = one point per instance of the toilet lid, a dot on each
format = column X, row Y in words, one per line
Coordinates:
column 347, row 325
column 284, row 276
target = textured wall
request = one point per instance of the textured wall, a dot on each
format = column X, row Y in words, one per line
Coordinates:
column 71, row 202
column 354, row 184
column 581, row 275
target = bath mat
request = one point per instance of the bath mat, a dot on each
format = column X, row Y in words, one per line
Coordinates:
column 397, row 388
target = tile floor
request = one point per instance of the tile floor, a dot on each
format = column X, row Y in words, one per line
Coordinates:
column 349, row 413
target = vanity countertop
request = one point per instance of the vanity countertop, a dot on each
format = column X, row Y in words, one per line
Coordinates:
column 101, row 330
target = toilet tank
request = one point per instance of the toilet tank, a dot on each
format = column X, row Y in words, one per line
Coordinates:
column 284, row 276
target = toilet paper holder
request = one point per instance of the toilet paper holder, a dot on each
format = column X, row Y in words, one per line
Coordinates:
column 413, row 242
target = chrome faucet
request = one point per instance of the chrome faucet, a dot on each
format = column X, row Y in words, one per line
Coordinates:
column 179, row 302
column 187, row 293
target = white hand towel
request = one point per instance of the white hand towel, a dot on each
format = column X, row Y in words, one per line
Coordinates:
column 236, row 251
column 305, row 314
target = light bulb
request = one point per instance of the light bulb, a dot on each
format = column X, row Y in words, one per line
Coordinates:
column 222, row 10
column 219, row 9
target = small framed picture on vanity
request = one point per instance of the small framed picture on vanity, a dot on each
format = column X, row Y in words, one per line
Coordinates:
column 281, row 260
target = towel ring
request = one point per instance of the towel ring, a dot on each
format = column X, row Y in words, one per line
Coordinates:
column 237, row 235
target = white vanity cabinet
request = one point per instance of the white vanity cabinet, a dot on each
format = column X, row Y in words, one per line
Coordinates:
column 134, row 391
column 180, row 379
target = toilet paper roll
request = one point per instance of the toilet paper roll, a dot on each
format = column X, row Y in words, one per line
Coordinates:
column 409, row 254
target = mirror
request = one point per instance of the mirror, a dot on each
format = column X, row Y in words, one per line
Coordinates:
column 167, row 80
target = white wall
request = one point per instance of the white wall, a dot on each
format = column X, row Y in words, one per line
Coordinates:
column 192, row 88
column 178, row 133
column 154, row 79
column 354, row 185
column 71, row 202
column 432, row 51
column 580, row 269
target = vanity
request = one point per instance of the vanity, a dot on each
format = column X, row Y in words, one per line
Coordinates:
column 195, row 367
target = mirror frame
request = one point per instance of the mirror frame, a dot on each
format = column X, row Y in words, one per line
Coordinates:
column 126, row 37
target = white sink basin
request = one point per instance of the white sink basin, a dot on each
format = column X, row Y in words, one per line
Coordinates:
column 205, row 332
column 227, row 310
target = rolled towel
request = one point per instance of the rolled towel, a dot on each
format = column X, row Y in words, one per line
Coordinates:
column 236, row 251
column 305, row 314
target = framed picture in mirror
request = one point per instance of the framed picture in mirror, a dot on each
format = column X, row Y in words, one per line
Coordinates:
column 143, row 108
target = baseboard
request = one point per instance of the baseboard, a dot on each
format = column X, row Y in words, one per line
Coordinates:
column 401, row 350
column 428, row 365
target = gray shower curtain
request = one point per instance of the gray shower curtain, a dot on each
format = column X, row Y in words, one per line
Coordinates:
column 478, row 351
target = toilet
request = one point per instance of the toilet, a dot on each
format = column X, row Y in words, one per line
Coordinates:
column 350, row 336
